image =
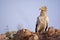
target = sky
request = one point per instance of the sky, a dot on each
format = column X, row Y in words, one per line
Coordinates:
column 23, row 13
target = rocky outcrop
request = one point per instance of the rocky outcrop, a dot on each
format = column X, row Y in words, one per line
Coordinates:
column 25, row 34
column 50, row 34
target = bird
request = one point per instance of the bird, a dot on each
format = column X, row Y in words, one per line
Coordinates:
column 42, row 20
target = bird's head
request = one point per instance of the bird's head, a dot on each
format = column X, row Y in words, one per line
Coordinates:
column 43, row 8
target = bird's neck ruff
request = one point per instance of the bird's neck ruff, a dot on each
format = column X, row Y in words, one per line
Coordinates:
column 43, row 13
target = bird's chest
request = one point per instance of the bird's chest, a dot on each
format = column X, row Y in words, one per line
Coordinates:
column 43, row 19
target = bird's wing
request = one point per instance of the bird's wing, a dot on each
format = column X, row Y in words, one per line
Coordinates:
column 37, row 24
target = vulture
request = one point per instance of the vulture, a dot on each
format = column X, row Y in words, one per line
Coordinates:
column 42, row 20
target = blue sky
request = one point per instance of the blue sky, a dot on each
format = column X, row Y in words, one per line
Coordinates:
column 25, row 12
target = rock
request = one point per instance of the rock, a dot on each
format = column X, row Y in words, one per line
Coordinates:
column 51, row 31
column 34, row 36
column 23, row 34
column 57, row 32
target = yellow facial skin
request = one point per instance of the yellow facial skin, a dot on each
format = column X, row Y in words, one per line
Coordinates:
column 43, row 8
